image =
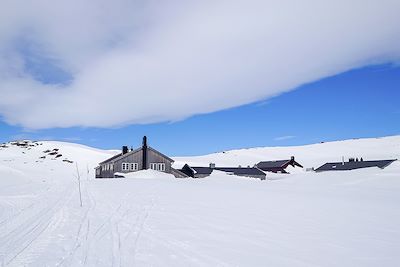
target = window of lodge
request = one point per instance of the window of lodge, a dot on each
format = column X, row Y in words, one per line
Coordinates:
column 130, row 166
column 157, row 166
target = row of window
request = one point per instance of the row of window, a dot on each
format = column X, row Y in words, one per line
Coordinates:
column 130, row 166
column 107, row 167
column 127, row 166
column 135, row 166
column 157, row 166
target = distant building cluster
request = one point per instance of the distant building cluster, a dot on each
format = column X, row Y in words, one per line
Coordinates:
column 146, row 157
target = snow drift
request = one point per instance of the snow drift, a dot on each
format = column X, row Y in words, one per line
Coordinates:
column 304, row 219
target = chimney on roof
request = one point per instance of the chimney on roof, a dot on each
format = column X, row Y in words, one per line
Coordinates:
column 144, row 151
column 124, row 150
column 292, row 158
column 212, row 165
column 144, row 141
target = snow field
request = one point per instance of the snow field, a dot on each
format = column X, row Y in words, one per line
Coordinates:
column 151, row 219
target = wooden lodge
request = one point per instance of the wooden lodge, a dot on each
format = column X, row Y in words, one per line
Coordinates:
column 142, row 158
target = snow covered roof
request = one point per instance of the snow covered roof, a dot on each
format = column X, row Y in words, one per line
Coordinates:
column 277, row 164
column 235, row 171
column 346, row 166
column 241, row 171
column 273, row 164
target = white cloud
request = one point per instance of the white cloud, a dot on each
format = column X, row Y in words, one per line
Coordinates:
column 136, row 62
column 283, row 138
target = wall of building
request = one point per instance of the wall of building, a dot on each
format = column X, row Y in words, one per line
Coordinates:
column 104, row 172
column 153, row 157
column 136, row 157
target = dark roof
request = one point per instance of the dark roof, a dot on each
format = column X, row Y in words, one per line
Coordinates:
column 235, row 171
column 272, row 164
column 120, row 155
column 278, row 165
column 202, row 170
column 339, row 166
column 241, row 171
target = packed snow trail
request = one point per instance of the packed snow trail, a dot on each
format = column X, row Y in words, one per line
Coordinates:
column 350, row 219
column 303, row 220
column 306, row 219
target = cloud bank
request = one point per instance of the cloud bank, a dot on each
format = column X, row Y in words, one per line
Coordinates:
column 112, row 63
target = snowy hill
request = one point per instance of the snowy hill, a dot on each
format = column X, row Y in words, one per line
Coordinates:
column 309, row 155
column 349, row 218
column 33, row 163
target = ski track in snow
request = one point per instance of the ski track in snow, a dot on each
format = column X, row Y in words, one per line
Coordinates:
column 303, row 219
column 22, row 235
column 108, row 228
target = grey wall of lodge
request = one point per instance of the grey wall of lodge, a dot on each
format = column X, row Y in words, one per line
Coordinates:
column 137, row 157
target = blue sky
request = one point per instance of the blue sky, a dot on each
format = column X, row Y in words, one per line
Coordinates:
column 199, row 77
column 359, row 103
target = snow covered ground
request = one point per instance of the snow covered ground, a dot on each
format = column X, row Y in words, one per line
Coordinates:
column 309, row 156
column 302, row 219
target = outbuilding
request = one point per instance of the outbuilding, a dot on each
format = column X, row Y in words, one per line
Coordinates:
column 354, row 164
column 278, row 166
column 201, row 172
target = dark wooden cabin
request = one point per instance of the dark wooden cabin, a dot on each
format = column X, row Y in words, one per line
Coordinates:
column 201, row 172
column 278, row 166
column 353, row 165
